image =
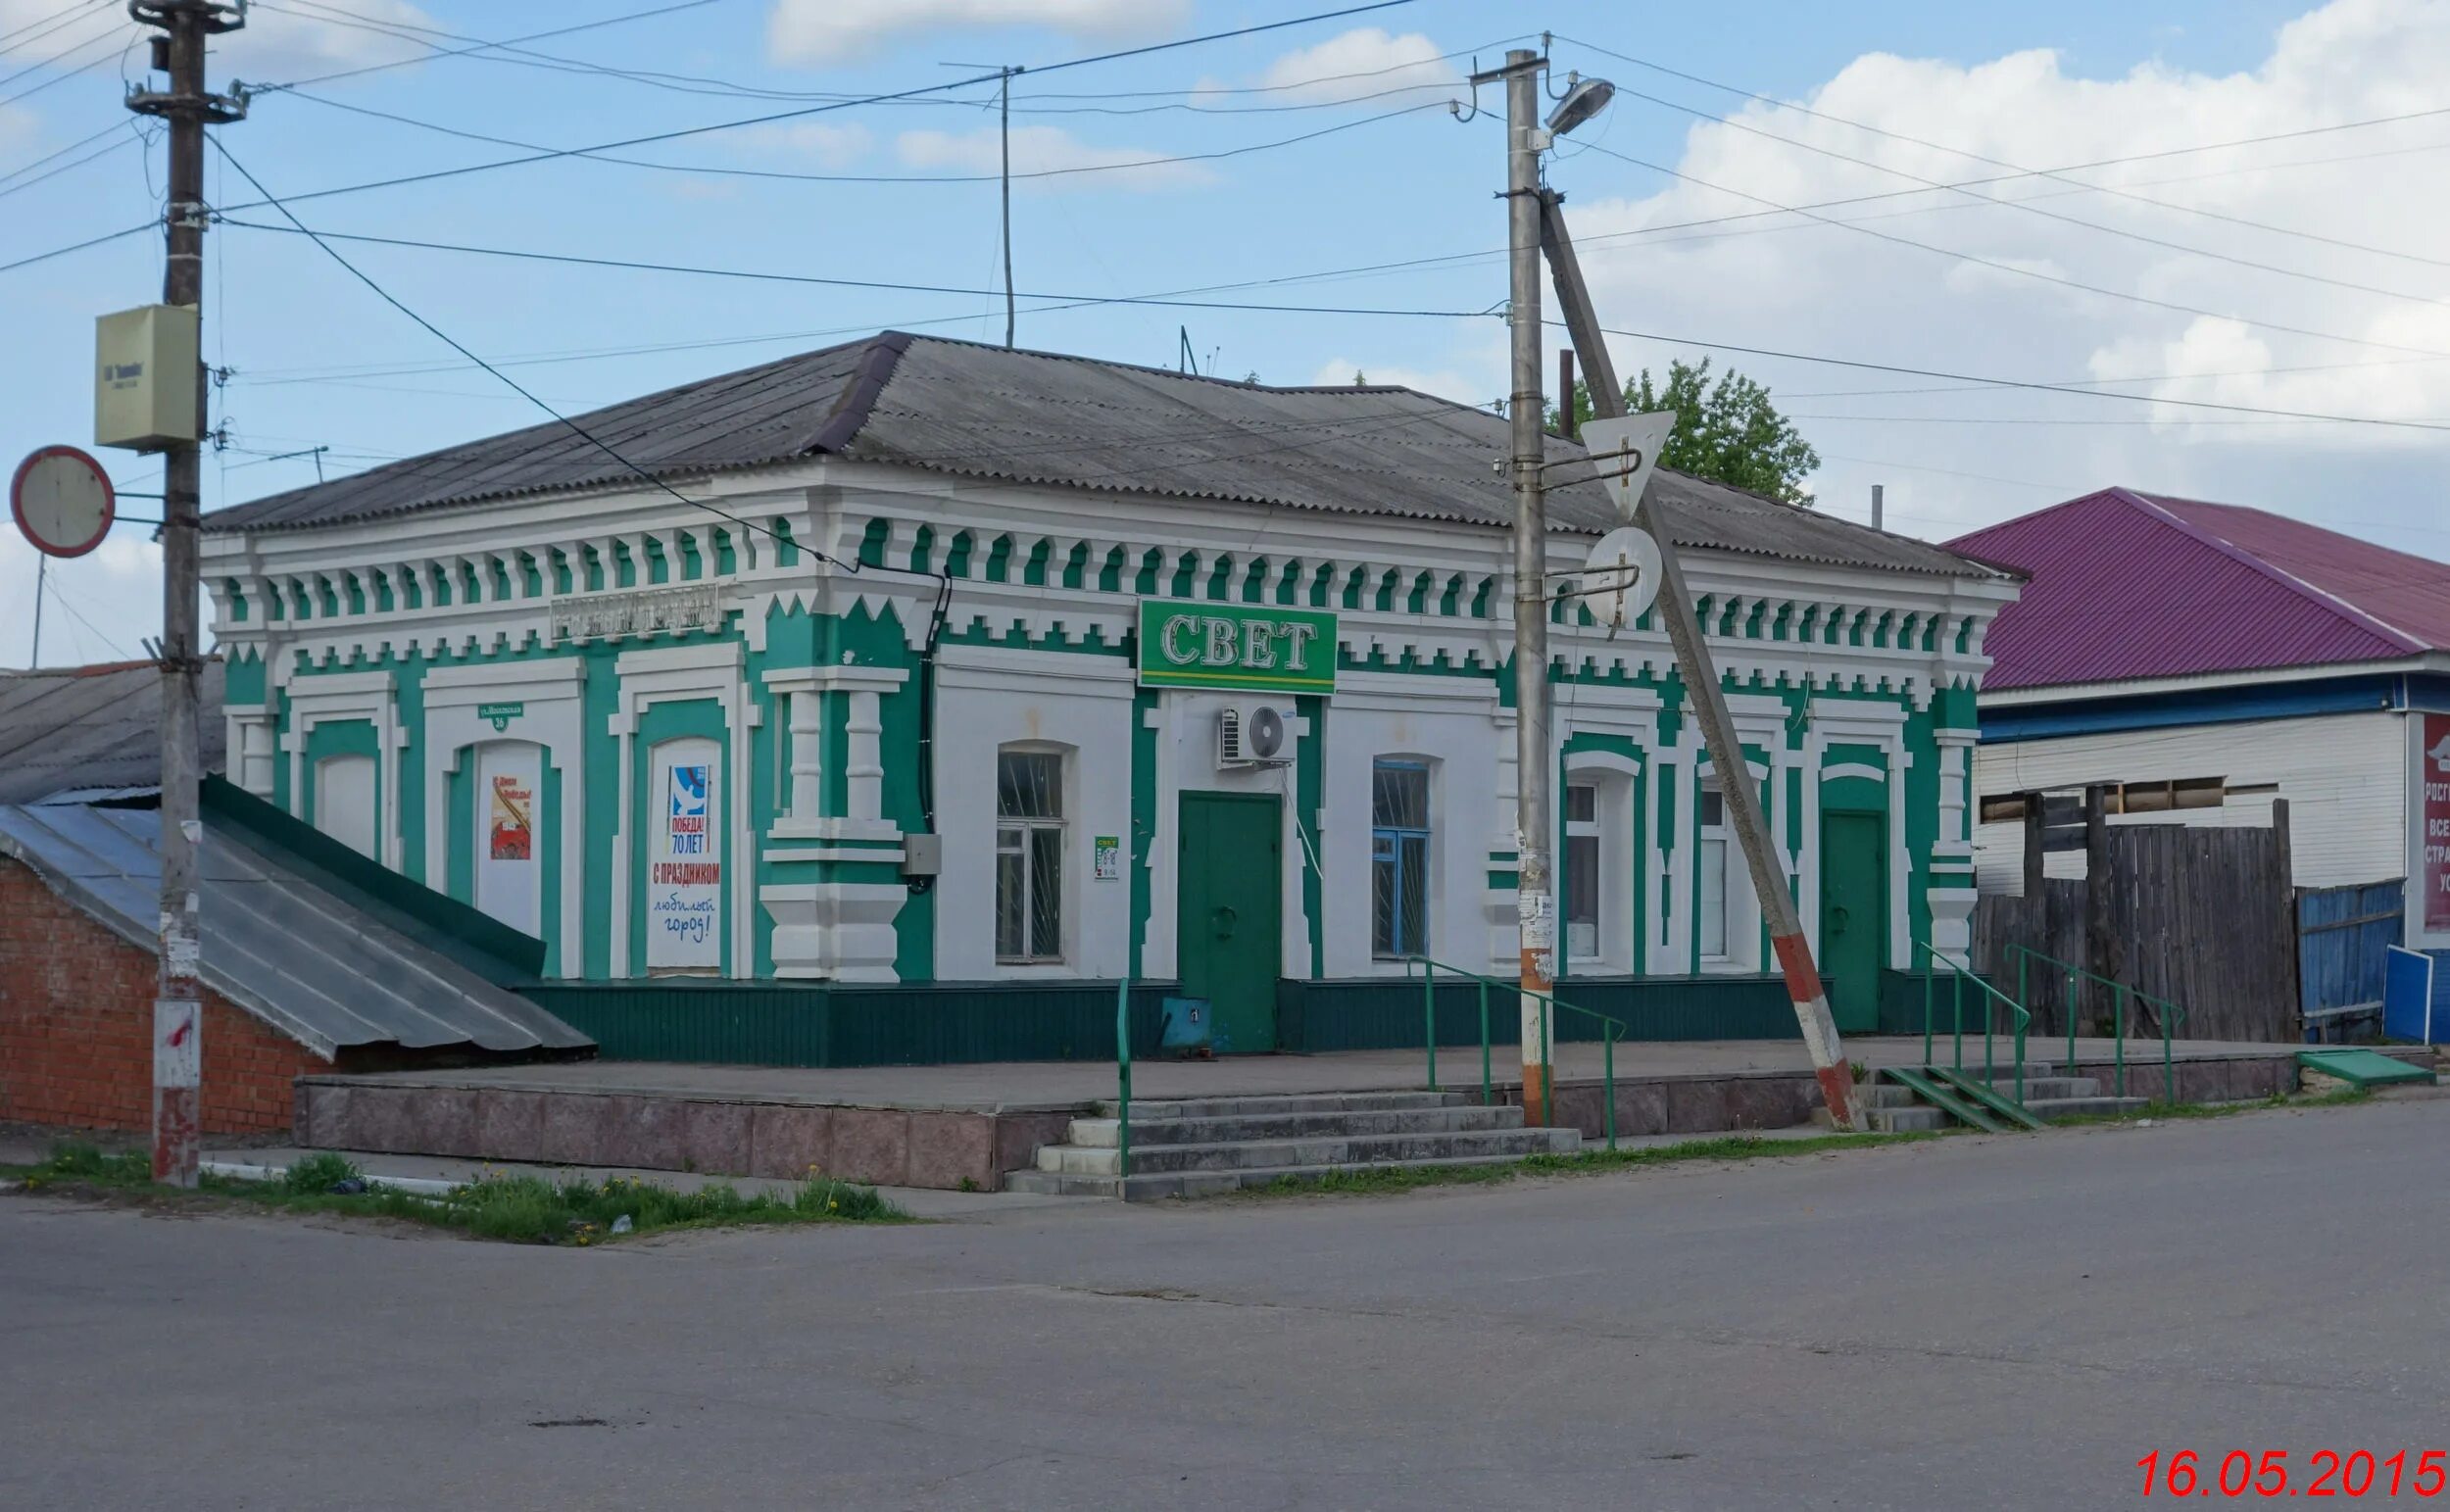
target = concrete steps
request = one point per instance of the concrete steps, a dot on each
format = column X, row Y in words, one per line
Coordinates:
column 1895, row 1109
column 1201, row 1146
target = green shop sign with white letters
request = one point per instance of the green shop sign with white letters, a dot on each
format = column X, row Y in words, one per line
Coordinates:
column 1186, row 644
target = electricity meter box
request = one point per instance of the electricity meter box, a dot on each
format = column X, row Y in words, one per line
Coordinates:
column 145, row 377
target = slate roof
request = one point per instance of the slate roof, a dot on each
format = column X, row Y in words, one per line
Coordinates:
column 2126, row 585
column 276, row 943
column 977, row 411
column 93, row 727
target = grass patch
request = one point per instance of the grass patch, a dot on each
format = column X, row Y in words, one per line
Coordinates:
column 2338, row 1097
column 517, row 1209
column 1588, row 1162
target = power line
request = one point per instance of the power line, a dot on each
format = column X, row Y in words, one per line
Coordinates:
column 478, row 46
column 628, row 264
column 814, row 110
column 47, row 25
column 2032, row 209
column 446, row 339
column 2050, row 388
column 483, row 51
column 2053, row 174
column 96, row 154
column 700, row 169
column 2011, row 267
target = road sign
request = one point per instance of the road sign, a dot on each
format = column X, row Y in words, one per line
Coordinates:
column 63, row 501
column 1624, row 450
column 1622, row 576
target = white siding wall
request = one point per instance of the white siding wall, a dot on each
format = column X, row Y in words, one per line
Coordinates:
column 2344, row 776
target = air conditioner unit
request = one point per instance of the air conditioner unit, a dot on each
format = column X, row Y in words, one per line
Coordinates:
column 1254, row 735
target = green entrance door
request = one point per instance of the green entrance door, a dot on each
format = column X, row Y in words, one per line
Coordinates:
column 1854, row 915
column 1229, row 919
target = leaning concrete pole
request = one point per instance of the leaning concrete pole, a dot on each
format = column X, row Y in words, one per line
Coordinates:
column 1717, row 732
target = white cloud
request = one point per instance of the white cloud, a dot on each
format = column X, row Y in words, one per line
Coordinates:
column 274, row 45
column 820, row 32
column 1364, row 61
column 1048, row 150
column 1785, row 283
column 829, row 145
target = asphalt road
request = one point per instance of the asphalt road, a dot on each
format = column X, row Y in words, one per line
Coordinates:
column 2003, row 1322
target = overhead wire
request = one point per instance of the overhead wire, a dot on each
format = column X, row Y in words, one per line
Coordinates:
column 718, row 171
column 2013, row 269
column 630, row 264
column 2055, row 174
column 2032, row 209
column 771, row 117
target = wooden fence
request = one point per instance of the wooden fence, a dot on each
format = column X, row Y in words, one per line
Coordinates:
column 2203, row 918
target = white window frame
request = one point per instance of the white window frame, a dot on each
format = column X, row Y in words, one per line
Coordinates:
column 1706, row 900
column 1594, row 830
column 1023, row 829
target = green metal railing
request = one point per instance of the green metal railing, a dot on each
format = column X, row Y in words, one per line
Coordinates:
column 1611, row 1030
column 2171, row 1015
column 1123, row 1080
column 1958, row 976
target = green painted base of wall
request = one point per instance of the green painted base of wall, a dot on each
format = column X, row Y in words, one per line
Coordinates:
column 819, row 1024
column 1387, row 1013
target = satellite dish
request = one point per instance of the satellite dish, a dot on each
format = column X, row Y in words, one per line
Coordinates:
column 1621, row 578
column 63, row 501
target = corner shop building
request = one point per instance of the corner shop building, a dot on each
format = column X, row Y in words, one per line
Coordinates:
column 929, row 688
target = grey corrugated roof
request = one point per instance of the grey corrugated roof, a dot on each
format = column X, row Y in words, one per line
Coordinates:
column 987, row 412
column 275, row 945
column 93, row 727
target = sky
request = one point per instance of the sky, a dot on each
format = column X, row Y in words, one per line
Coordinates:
column 2223, row 203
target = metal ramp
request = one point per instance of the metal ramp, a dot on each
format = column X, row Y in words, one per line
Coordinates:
column 2365, row 1068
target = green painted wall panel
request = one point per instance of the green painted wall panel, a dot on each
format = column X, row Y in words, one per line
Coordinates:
column 794, row 1024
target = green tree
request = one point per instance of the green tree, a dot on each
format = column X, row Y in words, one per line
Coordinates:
column 1728, row 432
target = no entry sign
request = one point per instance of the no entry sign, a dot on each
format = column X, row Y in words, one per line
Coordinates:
column 63, row 501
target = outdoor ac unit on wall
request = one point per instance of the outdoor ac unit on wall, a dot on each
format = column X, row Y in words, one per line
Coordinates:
column 1254, row 735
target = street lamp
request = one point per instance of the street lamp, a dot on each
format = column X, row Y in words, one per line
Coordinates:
column 1586, row 98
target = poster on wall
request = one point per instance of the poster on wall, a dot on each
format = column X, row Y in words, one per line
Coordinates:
column 685, row 860
column 508, row 776
column 2433, row 781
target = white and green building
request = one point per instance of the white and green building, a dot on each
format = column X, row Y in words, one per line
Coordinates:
column 894, row 700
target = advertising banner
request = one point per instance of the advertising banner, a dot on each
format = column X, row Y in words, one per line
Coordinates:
column 508, row 777
column 2433, row 809
column 685, row 858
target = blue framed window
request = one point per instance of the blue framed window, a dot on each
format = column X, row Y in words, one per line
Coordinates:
column 1400, row 858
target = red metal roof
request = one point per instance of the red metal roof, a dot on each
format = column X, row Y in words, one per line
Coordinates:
column 2129, row 585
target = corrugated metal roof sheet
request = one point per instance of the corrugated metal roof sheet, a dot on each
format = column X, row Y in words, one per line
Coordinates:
column 2407, row 593
column 987, row 412
column 318, row 971
column 2124, row 586
column 93, row 727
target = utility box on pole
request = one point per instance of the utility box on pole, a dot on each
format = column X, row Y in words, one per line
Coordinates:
column 146, row 373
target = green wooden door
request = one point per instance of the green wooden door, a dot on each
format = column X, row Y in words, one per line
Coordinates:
column 1855, row 917
column 1229, row 915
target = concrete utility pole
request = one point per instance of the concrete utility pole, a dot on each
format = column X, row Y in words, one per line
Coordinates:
column 1534, row 820
column 1717, row 732
column 1003, row 113
column 179, row 998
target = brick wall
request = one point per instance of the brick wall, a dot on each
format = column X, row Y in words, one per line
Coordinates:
column 77, row 1028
